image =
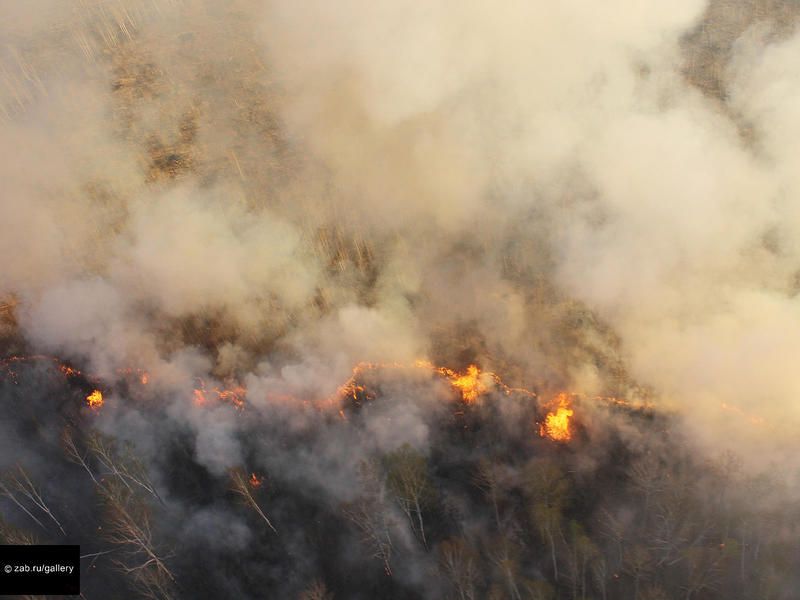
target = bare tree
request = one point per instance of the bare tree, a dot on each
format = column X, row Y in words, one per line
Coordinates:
column 409, row 485
column 545, row 483
column 316, row 591
column 654, row 593
column 580, row 558
column 75, row 455
column 547, row 487
column 122, row 481
column 600, row 575
column 639, row 565
column 242, row 487
column 458, row 562
column 539, row 589
column 704, row 569
column 489, row 480
column 547, row 520
column 126, row 466
column 504, row 554
column 128, row 527
column 14, row 536
column 678, row 520
column 647, row 477
column 370, row 513
column 16, row 485
column 614, row 527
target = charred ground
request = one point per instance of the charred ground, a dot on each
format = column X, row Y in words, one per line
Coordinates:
column 486, row 507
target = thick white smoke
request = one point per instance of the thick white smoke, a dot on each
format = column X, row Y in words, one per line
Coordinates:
column 391, row 180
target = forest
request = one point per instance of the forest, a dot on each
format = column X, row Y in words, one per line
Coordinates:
column 403, row 300
column 488, row 506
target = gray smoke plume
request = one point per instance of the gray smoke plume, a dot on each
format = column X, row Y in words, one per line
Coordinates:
column 599, row 198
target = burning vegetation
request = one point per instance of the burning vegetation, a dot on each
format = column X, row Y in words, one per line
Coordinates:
column 556, row 424
column 301, row 303
column 533, row 514
column 95, row 399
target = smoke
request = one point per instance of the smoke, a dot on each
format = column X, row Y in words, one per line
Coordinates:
column 594, row 198
column 441, row 180
column 665, row 210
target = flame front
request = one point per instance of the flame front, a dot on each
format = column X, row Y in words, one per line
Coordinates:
column 470, row 384
column 556, row 423
column 95, row 399
column 233, row 396
column 254, row 481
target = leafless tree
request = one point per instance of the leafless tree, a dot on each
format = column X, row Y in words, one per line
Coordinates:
column 704, row 569
column 316, row 591
column 14, row 536
column 75, row 455
column 243, row 487
column 125, row 465
column 504, row 555
column 539, row 589
column 600, row 575
column 547, row 487
column 545, row 483
column 547, row 520
column 581, row 556
column 370, row 513
column 16, row 485
column 129, row 528
column 122, row 481
column 409, row 486
column 489, row 479
column 678, row 520
column 458, row 562
column 648, row 478
column 639, row 564
column 615, row 528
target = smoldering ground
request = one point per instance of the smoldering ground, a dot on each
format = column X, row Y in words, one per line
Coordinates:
column 263, row 195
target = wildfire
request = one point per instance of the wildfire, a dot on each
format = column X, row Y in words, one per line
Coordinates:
column 69, row 371
column 470, row 384
column 351, row 389
column 199, row 396
column 254, row 481
column 556, row 423
column 95, row 400
column 752, row 418
column 232, row 396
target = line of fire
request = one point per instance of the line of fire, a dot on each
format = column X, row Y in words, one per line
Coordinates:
column 553, row 418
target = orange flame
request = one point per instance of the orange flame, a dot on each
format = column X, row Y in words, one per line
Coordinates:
column 752, row 418
column 69, row 371
column 470, row 384
column 556, row 423
column 232, row 396
column 95, row 400
column 199, row 397
column 254, row 481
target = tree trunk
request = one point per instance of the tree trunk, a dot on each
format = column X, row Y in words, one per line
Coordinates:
column 553, row 553
column 421, row 526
